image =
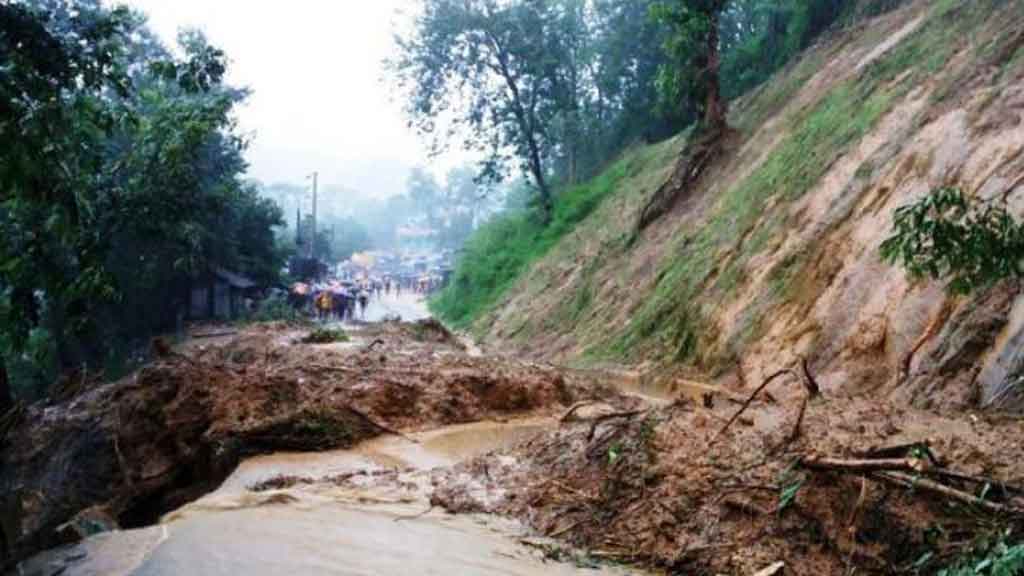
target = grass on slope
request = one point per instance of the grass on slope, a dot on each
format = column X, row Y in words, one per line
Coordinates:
column 502, row 249
column 709, row 262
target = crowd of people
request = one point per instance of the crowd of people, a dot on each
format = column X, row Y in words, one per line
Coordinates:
column 344, row 300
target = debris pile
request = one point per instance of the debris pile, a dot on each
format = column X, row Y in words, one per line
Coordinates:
column 140, row 447
column 825, row 485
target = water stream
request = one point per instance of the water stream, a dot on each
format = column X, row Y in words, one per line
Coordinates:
column 323, row 528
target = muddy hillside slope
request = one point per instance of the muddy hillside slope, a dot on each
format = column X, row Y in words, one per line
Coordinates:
column 775, row 254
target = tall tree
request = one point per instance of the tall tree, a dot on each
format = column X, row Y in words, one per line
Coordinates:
column 484, row 65
column 120, row 183
column 59, row 68
column 694, row 50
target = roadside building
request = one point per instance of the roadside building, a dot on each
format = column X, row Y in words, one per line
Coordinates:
column 220, row 294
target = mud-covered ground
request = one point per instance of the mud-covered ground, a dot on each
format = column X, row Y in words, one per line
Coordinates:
column 122, row 454
column 713, row 482
column 824, row 485
column 665, row 487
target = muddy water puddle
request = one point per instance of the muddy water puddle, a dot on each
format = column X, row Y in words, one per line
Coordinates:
column 323, row 528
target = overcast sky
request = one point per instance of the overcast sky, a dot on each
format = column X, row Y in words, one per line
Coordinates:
column 318, row 99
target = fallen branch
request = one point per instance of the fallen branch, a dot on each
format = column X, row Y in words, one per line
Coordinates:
column 568, row 416
column 881, row 464
column 772, row 570
column 749, row 401
column 597, row 421
column 808, row 380
column 904, row 480
column 203, row 335
column 859, row 504
column 568, row 528
column 981, row 480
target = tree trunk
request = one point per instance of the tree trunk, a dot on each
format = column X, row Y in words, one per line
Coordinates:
column 542, row 185
column 526, row 122
column 6, row 399
column 714, row 108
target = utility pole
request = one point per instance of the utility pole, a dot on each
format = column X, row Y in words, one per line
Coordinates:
column 312, row 244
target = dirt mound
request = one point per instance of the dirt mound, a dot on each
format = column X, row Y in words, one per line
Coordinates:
column 172, row 431
column 665, row 487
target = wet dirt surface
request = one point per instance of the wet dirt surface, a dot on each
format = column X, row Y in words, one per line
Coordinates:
column 546, row 470
column 325, row 527
column 135, row 449
column 401, row 396
column 665, row 487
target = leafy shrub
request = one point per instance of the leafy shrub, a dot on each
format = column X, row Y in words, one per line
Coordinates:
column 948, row 235
column 1002, row 559
column 325, row 336
column 276, row 309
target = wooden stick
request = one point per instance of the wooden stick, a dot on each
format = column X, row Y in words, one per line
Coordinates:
column 943, row 473
column 595, row 422
column 572, row 409
column 904, row 480
column 795, row 433
column 749, row 401
column 809, row 382
column 907, row 464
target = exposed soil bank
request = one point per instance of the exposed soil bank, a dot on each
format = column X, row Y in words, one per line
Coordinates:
column 664, row 488
column 124, row 453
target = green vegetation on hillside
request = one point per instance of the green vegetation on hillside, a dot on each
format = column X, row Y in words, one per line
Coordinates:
column 500, row 251
column 708, row 263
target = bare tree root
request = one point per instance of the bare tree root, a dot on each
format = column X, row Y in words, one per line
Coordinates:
column 691, row 166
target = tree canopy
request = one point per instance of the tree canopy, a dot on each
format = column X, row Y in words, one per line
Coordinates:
column 556, row 88
column 120, row 180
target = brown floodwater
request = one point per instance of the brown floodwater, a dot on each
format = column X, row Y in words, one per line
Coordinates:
column 322, row 528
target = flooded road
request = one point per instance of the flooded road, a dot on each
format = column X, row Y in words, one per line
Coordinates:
column 323, row 528
column 409, row 306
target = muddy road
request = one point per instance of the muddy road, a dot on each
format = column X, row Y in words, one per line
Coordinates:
column 247, row 526
column 167, row 471
column 401, row 450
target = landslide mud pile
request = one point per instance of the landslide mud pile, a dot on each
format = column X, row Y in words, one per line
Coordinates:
column 124, row 453
column 839, row 486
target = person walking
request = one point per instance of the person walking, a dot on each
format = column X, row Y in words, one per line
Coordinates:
column 364, row 301
column 324, row 305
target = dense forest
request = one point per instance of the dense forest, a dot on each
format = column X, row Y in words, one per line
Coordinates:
column 120, row 185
